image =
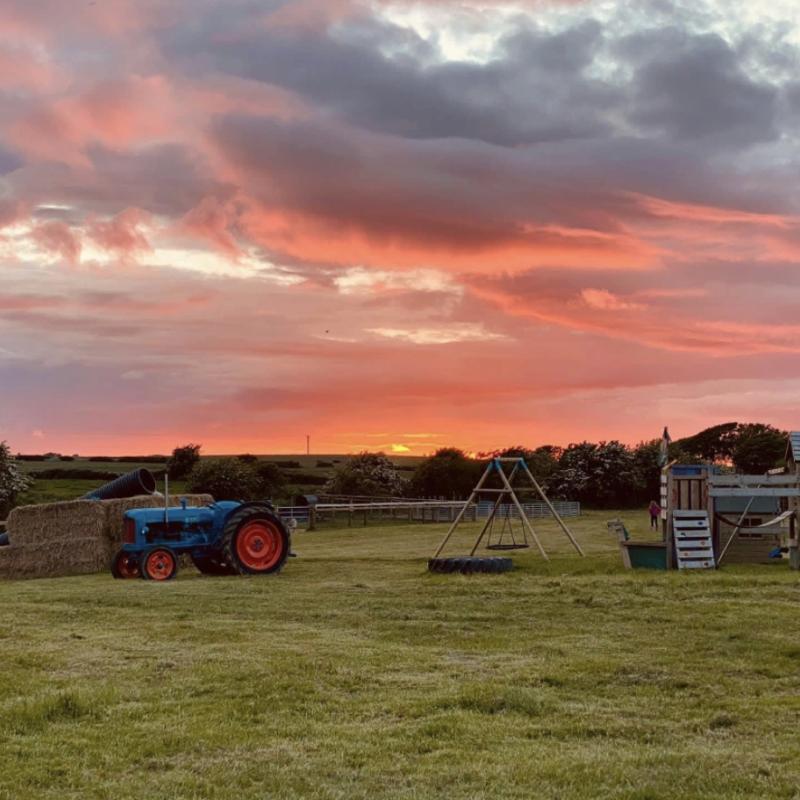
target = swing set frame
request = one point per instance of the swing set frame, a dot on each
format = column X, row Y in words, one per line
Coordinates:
column 508, row 492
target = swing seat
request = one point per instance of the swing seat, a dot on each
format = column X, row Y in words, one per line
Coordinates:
column 509, row 546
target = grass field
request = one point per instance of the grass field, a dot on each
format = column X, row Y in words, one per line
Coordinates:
column 356, row 674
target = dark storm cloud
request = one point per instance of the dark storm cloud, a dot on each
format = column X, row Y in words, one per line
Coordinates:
column 540, row 86
column 694, row 88
column 535, row 90
column 167, row 179
column 468, row 192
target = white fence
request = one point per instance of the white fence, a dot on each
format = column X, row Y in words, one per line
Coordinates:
column 414, row 511
column 563, row 508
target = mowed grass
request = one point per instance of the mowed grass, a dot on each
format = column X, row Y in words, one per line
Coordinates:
column 356, row 674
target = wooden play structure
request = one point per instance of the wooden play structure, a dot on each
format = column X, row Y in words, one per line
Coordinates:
column 710, row 518
column 648, row 555
column 505, row 504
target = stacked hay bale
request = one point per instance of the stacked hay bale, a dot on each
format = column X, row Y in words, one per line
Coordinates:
column 71, row 538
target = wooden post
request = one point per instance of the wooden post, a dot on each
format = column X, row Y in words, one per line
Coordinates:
column 523, row 517
column 672, row 493
column 553, row 511
column 464, row 508
column 312, row 518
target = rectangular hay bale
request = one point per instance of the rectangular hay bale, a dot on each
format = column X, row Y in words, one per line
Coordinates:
column 51, row 522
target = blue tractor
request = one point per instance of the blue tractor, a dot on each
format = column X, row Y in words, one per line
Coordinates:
column 224, row 538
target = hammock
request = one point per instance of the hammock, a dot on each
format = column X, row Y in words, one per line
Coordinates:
column 768, row 524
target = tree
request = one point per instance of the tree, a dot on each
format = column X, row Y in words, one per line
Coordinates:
column 271, row 478
column 758, row 448
column 183, row 460
column 602, row 475
column 542, row 462
column 12, row 481
column 368, row 474
column 449, row 473
column 647, row 485
column 713, row 445
column 231, row 479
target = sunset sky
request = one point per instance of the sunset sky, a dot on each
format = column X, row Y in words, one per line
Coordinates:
column 395, row 225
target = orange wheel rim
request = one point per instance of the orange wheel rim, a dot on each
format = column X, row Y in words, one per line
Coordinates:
column 159, row 565
column 127, row 566
column 258, row 545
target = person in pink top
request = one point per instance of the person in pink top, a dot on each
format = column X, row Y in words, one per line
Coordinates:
column 655, row 512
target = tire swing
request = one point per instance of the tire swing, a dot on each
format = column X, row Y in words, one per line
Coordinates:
column 506, row 530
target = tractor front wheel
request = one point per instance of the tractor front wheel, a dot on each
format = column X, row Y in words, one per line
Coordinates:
column 159, row 564
column 125, row 565
column 255, row 541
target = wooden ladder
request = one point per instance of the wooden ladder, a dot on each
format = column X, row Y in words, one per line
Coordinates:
column 693, row 545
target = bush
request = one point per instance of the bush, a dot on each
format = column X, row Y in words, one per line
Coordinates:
column 286, row 464
column 368, row 474
column 12, row 480
column 309, row 479
column 248, row 458
column 66, row 458
column 232, row 479
column 143, row 459
column 183, row 460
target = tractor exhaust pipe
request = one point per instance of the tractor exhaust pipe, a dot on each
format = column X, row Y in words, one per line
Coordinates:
column 140, row 481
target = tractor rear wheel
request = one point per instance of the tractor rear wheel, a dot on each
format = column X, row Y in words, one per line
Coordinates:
column 159, row 564
column 255, row 541
column 125, row 565
column 213, row 565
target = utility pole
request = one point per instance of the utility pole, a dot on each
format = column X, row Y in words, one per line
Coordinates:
column 308, row 444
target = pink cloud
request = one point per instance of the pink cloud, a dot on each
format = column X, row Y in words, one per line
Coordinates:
column 120, row 234
column 116, row 114
column 213, row 221
column 607, row 301
column 58, row 239
column 22, row 69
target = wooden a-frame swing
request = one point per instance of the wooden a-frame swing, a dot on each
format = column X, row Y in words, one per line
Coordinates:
column 508, row 493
